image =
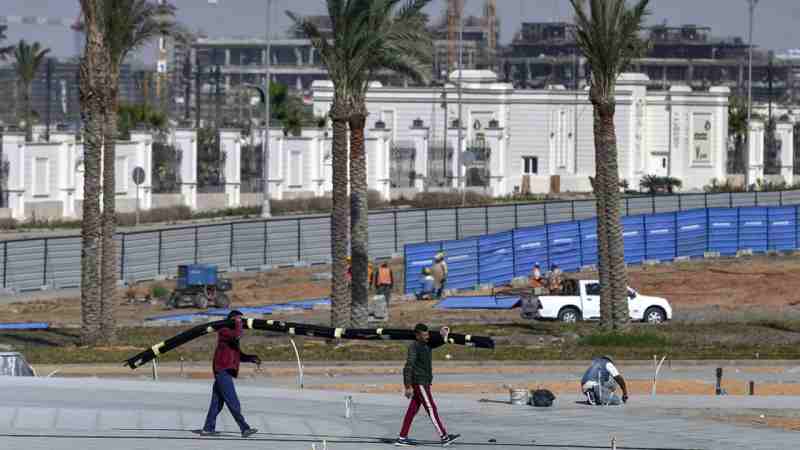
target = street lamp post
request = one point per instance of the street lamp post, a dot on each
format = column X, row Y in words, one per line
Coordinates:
column 265, row 205
column 460, row 105
column 752, row 4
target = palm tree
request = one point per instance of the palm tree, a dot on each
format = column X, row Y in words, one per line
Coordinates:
column 127, row 25
column 609, row 36
column 94, row 109
column 28, row 60
column 737, row 130
column 394, row 40
column 4, row 51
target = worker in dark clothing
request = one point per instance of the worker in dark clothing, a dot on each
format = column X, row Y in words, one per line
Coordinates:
column 226, row 367
column 417, row 377
column 601, row 380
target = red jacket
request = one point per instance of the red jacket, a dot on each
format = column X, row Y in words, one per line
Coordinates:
column 228, row 354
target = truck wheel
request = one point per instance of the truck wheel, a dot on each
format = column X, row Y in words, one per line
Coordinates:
column 200, row 301
column 223, row 302
column 569, row 315
column 655, row 315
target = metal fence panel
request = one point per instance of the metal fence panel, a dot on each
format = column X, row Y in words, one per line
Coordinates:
column 501, row 218
column 315, row 240
column 639, row 205
column 442, row 224
column 719, row 200
column 281, row 242
column 381, row 235
column 753, row 229
column 249, row 245
column 530, row 215
column 177, row 248
column 790, row 197
column 782, row 230
column 661, row 243
column 692, row 233
column 472, row 222
column 668, row 203
column 559, row 212
column 64, row 262
column 26, row 264
column 530, row 247
column 215, row 246
column 740, row 199
column 462, row 263
column 141, row 256
column 768, row 198
column 416, row 258
column 692, row 201
column 411, row 227
column 723, row 232
column 634, row 238
column 565, row 245
column 588, row 230
column 585, row 209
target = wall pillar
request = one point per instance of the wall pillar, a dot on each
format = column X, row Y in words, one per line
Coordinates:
column 495, row 138
column 186, row 143
column 14, row 153
column 276, row 174
column 755, row 150
column 231, row 147
column 378, row 157
column 144, row 159
column 419, row 136
column 785, row 132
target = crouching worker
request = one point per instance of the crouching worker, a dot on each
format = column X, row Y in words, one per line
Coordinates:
column 226, row 368
column 600, row 381
column 428, row 289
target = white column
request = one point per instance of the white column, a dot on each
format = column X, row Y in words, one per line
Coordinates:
column 755, row 170
column 495, row 137
column 144, row 159
column 63, row 172
column 379, row 158
column 452, row 139
column 186, row 143
column 785, row 132
column 231, row 147
column 720, row 135
column 420, row 137
column 14, row 153
column 276, row 163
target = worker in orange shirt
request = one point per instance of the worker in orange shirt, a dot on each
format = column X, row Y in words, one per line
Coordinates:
column 536, row 277
column 383, row 280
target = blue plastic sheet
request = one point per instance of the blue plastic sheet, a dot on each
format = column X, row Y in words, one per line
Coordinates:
column 782, row 228
column 753, row 229
column 496, row 258
column 691, row 235
column 417, row 257
column 633, row 235
column 479, row 302
column 723, row 231
column 565, row 246
column 462, row 263
column 530, row 245
column 661, row 245
column 588, row 229
column 24, row 326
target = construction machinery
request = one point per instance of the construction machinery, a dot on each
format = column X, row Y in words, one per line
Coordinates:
column 199, row 285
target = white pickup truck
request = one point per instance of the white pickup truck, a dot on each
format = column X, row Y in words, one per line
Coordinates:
column 581, row 301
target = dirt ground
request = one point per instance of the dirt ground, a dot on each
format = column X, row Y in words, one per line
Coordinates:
column 763, row 286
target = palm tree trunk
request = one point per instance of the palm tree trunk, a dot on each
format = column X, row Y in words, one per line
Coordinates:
column 359, row 229
column 340, row 303
column 598, row 186
column 109, row 257
column 93, row 111
column 606, row 144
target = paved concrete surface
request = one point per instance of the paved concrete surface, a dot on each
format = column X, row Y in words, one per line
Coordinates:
column 102, row 414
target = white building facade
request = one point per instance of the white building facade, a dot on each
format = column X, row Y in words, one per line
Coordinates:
column 542, row 140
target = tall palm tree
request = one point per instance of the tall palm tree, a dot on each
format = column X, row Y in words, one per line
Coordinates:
column 127, row 25
column 94, row 109
column 4, row 51
column 335, row 51
column 29, row 57
column 394, row 37
column 608, row 34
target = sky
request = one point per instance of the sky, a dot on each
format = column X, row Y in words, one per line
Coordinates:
column 777, row 22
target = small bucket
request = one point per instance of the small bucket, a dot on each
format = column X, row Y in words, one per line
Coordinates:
column 519, row 396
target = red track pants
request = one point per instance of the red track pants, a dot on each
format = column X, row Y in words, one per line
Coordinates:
column 422, row 397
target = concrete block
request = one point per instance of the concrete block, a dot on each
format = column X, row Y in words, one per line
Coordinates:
column 651, row 262
column 266, row 267
column 711, row 255
column 161, row 277
column 682, row 259
column 8, row 291
column 744, row 252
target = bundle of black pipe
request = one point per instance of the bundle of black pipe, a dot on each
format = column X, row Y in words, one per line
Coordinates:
column 298, row 329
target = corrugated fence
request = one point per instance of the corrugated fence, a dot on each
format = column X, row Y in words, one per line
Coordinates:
column 30, row 264
column 499, row 257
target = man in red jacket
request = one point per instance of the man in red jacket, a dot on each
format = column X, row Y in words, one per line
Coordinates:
column 226, row 368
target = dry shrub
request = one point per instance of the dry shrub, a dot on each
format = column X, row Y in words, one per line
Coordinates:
column 155, row 215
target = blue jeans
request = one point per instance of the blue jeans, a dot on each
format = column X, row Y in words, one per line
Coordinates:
column 224, row 394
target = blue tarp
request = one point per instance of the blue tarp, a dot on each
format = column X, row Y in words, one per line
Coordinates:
column 25, row 326
column 565, row 246
column 479, row 302
column 633, row 235
column 462, row 263
column 496, row 258
column 723, row 230
column 692, row 233
column 417, row 257
column 753, row 229
column 530, row 245
column 782, row 228
column 660, row 237
column 588, row 229
column 176, row 317
column 266, row 309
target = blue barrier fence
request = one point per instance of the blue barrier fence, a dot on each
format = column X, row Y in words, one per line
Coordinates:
column 497, row 258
